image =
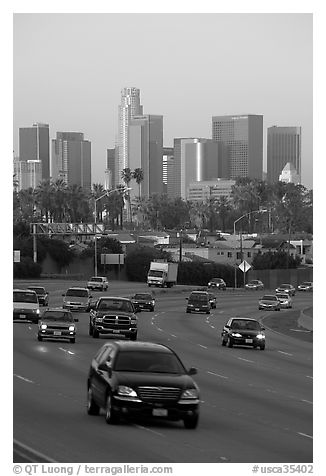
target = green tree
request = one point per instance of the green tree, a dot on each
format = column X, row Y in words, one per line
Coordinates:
column 138, row 175
column 127, row 175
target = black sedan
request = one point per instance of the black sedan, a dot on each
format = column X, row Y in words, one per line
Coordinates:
column 143, row 301
column 243, row 331
column 42, row 294
column 57, row 323
column 141, row 379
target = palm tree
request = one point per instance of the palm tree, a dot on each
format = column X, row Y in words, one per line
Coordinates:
column 77, row 203
column 138, row 175
column 97, row 191
column 60, row 200
column 126, row 175
column 44, row 193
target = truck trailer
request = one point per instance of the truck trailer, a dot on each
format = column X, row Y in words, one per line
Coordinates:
column 162, row 274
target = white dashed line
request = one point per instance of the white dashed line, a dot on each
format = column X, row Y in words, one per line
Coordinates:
column 307, row 401
column 159, row 329
column 303, row 434
column 67, row 351
column 246, row 360
column 23, row 378
column 217, row 375
column 203, row 346
column 148, row 429
column 284, row 353
column 309, row 376
column 172, row 335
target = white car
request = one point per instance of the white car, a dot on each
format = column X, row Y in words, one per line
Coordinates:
column 98, row 282
column 285, row 300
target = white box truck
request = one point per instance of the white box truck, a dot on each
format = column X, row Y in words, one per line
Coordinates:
column 162, row 274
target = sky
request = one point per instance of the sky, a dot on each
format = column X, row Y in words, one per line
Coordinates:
column 69, row 70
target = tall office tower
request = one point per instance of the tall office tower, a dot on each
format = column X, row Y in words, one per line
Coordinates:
column 204, row 190
column 71, row 159
column 283, row 146
column 243, row 138
column 146, row 152
column 168, row 156
column 289, row 174
column 130, row 107
column 195, row 159
column 27, row 174
column 110, row 171
column 34, row 144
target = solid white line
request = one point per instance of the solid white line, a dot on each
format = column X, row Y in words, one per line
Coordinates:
column 23, row 378
column 285, row 353
column 246, row 360
column 216, row 375
column 34, row 452
column 303, row 434
column 307, row 401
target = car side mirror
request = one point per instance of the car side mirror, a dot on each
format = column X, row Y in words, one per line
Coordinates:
column 227, row 326
column 105, row 367
column 262, row 328
column 192, row 371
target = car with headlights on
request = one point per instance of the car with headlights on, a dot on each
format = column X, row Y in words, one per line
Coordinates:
column 26, row 305
column 143, row 301
column 286, row 288
column 113, row 316
column 198, row 301
column 217, row 283
column 42, row 294
column 254, row 284
column 142, row 379
column 269, row 302
column 243, row 331
column 306, row 286
column 285, row 300
column 77, row 299
column 57, row 323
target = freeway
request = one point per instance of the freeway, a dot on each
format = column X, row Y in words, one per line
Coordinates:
column 256, row 406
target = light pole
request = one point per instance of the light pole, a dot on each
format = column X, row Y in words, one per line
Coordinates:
column 106, row 194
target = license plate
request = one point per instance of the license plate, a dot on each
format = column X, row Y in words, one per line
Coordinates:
column 160, row 412
column 22, row 316
column 116, row 332
column 249, row 341
column 196, row 308
column 57, row 333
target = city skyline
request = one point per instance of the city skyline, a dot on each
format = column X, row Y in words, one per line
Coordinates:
column 188, row 81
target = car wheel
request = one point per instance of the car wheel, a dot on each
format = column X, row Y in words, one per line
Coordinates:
column 72, row 340
column 208, row 312
column 229, row 342
column 96, row 334
column 262, row 347
column 223, row 342
column 191, row 422
column 133, row 337
column 152, row 309
column 188, row 311
column 90, row 330
column 92, row 408
column 111, row 415
column 39, row 338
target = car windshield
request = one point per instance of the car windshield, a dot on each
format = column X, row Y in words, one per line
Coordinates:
column 254, row 282
column 306, row 283
column 57, row 316
column 143, row 296
column 96, row 280
column 216, row 280
column 115, row 305
column 242, row 324
column 25, row 296
column 285, row 286
column 77, row 292
column 269, row 298
column 198, row 297
column 155, row 273
column 144, row 361
column 283, row 296
column 37, row 290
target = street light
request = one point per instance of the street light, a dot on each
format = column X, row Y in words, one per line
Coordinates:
column 106, row 194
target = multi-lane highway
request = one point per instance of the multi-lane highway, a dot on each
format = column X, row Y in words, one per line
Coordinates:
column 256, row 405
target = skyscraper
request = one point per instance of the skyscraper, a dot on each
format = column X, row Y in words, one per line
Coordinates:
column 34, row 144
column 71, row 159
column 130, row 107
column 146, row 152
column 243, row 137
column 283, row 146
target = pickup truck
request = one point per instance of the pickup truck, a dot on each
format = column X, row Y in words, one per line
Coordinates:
column 98, row 282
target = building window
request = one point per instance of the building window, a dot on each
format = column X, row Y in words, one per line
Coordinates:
column 249, row 254
column 229, row 254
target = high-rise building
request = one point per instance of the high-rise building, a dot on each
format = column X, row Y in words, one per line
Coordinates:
column 283, row 146
column 27, row 174
column 130, row 107
column 34, row 144
column 168, row 157
column 206, row 189
column 289, row 174
column 195, row 159
column 110, row 171
column 71, row 159
column 242, row 136
column 146, row 152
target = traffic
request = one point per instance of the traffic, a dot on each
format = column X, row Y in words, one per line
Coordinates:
column 260, row 403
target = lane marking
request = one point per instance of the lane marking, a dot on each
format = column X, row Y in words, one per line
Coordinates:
column 306, row 401
column 23, row 378
column 33, row 452
column 217, row 375
column 285, row 353
column 67, row 351
column 304, row 434
column 246, row 360
column 173, row 335
column 203, row 346
column 159, row 329
column 151, row 431
column 300, row 330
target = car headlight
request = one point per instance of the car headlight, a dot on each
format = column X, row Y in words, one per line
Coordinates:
column 153, row 302
column 236, row 334
column 43, row 326
column 190, row 393
column 99, row 319
column 126, row 391
column 71, row 328
column 36, row 311
column 260, row 336
column 133, row 321
column 190, row 305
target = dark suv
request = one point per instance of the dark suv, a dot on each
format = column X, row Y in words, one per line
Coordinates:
column 199, row 301
column 113, row 315
column 141, row 378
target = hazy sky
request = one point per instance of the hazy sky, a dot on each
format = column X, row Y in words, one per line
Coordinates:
column 69, row 70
